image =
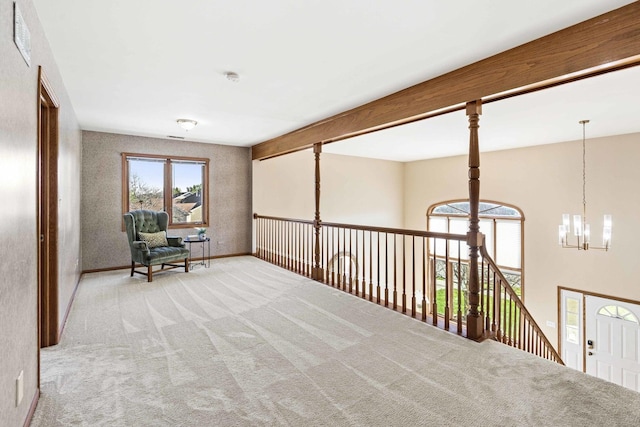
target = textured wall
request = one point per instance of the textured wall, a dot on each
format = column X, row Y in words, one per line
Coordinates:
column 104, row 244
column 18, row 228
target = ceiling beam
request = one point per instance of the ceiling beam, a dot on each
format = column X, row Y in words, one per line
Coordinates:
column 604, row 42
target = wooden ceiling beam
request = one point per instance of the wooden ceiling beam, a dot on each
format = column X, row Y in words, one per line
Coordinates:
column 600, row 43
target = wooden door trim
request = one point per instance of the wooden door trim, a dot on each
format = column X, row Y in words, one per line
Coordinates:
column 47, row 213
column 595, row 294
column 602, row 44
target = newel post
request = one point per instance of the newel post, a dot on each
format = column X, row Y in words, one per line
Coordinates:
column 474, row 237
column 317, row 273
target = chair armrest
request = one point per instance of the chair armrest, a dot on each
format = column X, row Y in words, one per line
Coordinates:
column 140, row 245
column 175, row 242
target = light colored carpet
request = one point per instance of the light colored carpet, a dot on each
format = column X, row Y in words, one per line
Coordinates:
column 246, row 343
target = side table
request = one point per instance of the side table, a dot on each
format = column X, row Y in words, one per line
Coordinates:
column 205, row 260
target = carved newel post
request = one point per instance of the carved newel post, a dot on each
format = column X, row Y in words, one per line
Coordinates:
column 474, row 237
column 317, row 273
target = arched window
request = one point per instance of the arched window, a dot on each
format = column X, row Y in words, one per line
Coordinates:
column 502, row 225
column 618, row 312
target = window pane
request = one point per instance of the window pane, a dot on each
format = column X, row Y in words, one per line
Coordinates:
column 491, row 209
column 441, row 284
column 515, row 280
column 437, row 224
column 486, row 228
column 609, row 311
column 187, row 189
column 572, row 335
column 572, row 319
column 622, row 312
column 572, row 305
column 146, row 179
column 458, row 226
column 508, row 247
column 458, row 208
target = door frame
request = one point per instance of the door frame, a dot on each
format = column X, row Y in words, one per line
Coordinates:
column 47, row 214
column 584, row 316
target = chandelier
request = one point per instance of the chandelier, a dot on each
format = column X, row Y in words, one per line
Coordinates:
column 582, row 230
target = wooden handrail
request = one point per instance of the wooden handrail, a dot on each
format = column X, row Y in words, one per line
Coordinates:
column 277, row 218
column 505, row 286
column 399, row 231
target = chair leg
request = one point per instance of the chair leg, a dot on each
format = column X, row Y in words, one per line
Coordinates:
column 150, row 274
column 133, row 266
column 186, row 265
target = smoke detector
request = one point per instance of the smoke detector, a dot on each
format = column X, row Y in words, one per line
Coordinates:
column 231, row 76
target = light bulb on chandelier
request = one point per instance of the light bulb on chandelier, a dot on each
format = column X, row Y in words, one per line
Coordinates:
column 581, row 229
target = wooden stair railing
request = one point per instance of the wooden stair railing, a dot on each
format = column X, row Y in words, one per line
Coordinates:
column 419, row 273
column 512, row 324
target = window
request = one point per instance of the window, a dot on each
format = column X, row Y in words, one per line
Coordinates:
column 618, row 312
column 157, row 182
column 572, row 313
column 501, row 224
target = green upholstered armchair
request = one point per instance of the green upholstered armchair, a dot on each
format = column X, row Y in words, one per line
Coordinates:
column 151, row 249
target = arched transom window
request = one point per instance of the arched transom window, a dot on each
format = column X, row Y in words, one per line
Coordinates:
column 618, row 312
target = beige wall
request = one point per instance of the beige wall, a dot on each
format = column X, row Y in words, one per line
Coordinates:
column 18, row 228
column 361, row 191
column 104, row 244
column 353, row 189
column 546, row 181
column 284, row 186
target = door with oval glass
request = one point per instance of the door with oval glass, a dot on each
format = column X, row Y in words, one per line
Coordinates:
column 612, row 338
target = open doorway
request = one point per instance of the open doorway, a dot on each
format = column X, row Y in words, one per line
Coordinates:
column 47, row 214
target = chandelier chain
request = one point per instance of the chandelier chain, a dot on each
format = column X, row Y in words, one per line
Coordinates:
column 582, row 230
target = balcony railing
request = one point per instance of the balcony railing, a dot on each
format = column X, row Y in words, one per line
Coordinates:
column 511, row 324
column 419, row 273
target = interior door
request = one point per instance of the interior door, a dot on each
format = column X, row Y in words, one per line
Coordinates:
column 613, row 341
column 47, row 214
column 572, row 329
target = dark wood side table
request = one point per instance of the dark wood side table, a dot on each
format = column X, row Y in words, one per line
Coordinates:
column 204, row 243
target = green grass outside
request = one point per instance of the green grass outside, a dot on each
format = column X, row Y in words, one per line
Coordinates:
column 510, row 323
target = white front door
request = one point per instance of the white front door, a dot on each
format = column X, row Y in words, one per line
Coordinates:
column 572, row 329
column 613, row 341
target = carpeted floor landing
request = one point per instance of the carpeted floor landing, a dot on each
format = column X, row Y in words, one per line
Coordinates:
column 245, row 343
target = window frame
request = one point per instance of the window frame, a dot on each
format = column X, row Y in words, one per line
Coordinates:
column 494, row 219
column 168, row 186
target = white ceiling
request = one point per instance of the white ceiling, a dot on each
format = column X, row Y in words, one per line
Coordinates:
column 134, row 67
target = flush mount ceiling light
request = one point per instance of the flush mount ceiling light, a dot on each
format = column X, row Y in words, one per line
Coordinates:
column 186, row 124
column 231, row 76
